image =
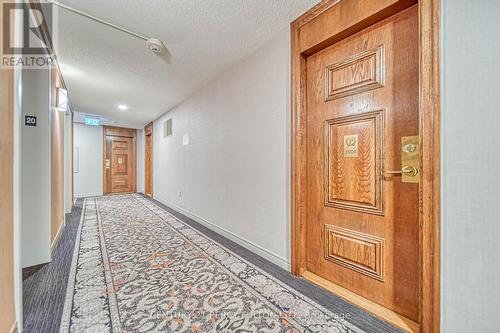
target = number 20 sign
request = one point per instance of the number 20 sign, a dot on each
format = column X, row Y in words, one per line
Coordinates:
column 30, row 120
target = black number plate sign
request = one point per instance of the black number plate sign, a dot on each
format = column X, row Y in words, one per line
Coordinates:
column 30, row 120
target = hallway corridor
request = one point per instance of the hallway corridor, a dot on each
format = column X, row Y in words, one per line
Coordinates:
column 249, row 166
column 176, row 275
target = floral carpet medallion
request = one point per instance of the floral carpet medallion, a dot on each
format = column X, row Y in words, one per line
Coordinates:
column 137, row 268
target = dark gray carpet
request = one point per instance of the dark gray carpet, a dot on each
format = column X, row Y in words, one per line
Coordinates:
column 44, row 291
column 336, row 304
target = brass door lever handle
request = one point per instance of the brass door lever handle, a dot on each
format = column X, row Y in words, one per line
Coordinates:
column 407, row 170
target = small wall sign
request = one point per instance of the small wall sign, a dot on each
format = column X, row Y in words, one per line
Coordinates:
column 29, row 120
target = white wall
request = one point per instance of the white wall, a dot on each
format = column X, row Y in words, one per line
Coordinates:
column 67, row 163
column 471, row 160
column 234, row 173
column 35, row 169
column 140, row 160
column 18, row 123
column 88, row 180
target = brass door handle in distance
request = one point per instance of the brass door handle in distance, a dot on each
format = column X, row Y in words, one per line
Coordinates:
column 407, row 170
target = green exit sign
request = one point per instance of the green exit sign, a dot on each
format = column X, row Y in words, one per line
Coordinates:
column 92, row 121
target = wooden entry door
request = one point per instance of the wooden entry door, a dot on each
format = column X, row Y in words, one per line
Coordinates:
column 148, row 162
column 362, row 215
column 119, row 160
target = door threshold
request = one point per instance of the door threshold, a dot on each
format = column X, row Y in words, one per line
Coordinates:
column 378, row 310
column 118, row 193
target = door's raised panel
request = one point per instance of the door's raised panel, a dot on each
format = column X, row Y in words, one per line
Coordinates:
column 120, row 145
column 361, row 252
column 353, row 162
column 120, row 184
column 361, row 72
column 120, row 164
column 121, row 181
column 119, row 132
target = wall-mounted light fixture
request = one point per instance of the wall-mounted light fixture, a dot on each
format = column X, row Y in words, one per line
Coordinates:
column 62, row 99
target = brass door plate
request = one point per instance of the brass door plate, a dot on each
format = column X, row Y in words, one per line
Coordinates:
column 410, row 157
column 351, row 145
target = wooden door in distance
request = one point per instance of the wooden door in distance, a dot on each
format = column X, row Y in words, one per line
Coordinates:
column 119, row 161
column 362, row 222
column 148, row 162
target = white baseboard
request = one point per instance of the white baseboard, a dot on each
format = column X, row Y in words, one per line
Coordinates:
column 257, row 249
column 84, row 195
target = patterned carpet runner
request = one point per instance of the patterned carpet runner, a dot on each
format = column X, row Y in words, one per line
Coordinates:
column 137, row 268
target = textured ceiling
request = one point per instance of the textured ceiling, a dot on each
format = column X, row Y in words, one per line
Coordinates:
column 104, row 67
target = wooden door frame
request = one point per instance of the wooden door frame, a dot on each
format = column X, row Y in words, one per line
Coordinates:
column 118, row 132
column 322, row 26
column 146, row 129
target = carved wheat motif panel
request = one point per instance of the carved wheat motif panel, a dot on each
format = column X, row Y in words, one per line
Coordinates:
column 353, row 157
